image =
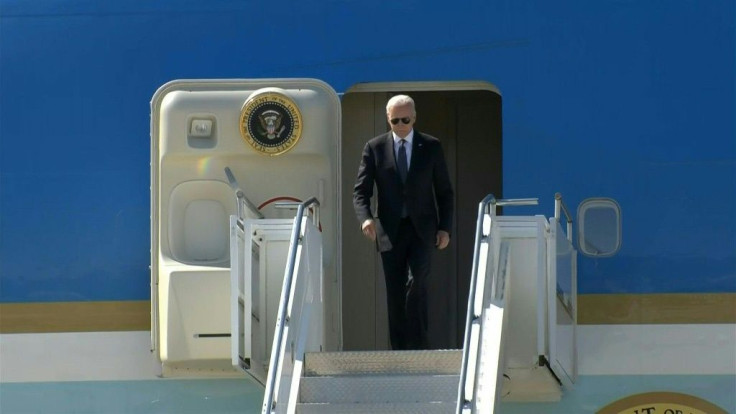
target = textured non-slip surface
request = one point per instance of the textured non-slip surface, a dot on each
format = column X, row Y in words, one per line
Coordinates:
column 439, row 362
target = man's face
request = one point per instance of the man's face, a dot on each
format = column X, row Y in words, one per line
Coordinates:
column 401, row 113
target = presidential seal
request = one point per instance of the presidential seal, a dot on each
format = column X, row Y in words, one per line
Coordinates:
column 271, row 123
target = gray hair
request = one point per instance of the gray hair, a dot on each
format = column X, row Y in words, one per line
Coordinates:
column 401, row 100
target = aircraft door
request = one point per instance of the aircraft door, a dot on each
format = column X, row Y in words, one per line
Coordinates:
column 279, row 139
column 466, row 117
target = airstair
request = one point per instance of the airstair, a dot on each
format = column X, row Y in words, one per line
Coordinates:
column 530, row 362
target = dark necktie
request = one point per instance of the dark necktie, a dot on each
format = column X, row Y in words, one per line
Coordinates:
column 402, row 163
column 403, row 169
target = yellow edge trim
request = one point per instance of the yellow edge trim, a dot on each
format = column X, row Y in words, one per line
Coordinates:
column 657, row 308
column 75, row 316
column 594, row 309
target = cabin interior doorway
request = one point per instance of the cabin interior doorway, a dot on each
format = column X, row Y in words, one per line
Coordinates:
column 466, row 117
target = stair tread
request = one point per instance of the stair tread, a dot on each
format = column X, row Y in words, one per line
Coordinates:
column 379, row 362
column 379, row 389
column 394, row 408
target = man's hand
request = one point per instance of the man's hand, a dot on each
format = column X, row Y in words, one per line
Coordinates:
column 443, row 239
column 369, row 229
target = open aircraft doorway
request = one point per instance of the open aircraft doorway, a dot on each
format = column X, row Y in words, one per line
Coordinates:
column 466, row 117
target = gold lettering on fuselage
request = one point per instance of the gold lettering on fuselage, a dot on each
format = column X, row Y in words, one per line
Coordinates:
column 661, row 403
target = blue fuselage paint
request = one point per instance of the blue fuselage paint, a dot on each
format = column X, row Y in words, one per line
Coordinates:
column 628, row 100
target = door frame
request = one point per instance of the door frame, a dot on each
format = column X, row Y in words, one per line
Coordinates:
column 394, row 87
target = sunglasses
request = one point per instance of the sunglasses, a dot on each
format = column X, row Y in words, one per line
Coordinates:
column 405, row 120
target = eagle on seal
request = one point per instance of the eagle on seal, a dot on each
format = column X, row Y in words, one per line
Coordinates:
column 271, row 124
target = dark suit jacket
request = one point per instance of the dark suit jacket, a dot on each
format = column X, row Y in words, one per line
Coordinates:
column 427, row 192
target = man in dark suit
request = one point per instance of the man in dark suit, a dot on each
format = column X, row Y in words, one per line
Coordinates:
column 414, row 216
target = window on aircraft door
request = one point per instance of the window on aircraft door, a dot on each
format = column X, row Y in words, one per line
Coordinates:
column 599, row 227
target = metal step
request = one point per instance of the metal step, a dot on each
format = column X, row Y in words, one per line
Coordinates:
column 439, row 362
column 379, row 389
column 387, row 408
column 380, row 382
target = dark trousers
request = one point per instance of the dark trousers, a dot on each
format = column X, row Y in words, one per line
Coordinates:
column 407, row 293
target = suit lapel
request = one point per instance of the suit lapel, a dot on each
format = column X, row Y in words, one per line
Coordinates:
column 417, row 155
column 390, row 156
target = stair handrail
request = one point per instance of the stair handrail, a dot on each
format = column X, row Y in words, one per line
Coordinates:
column 243, row 202
column 560, row 205
column 483, row 206
column 482, row 232
column 269, row 400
